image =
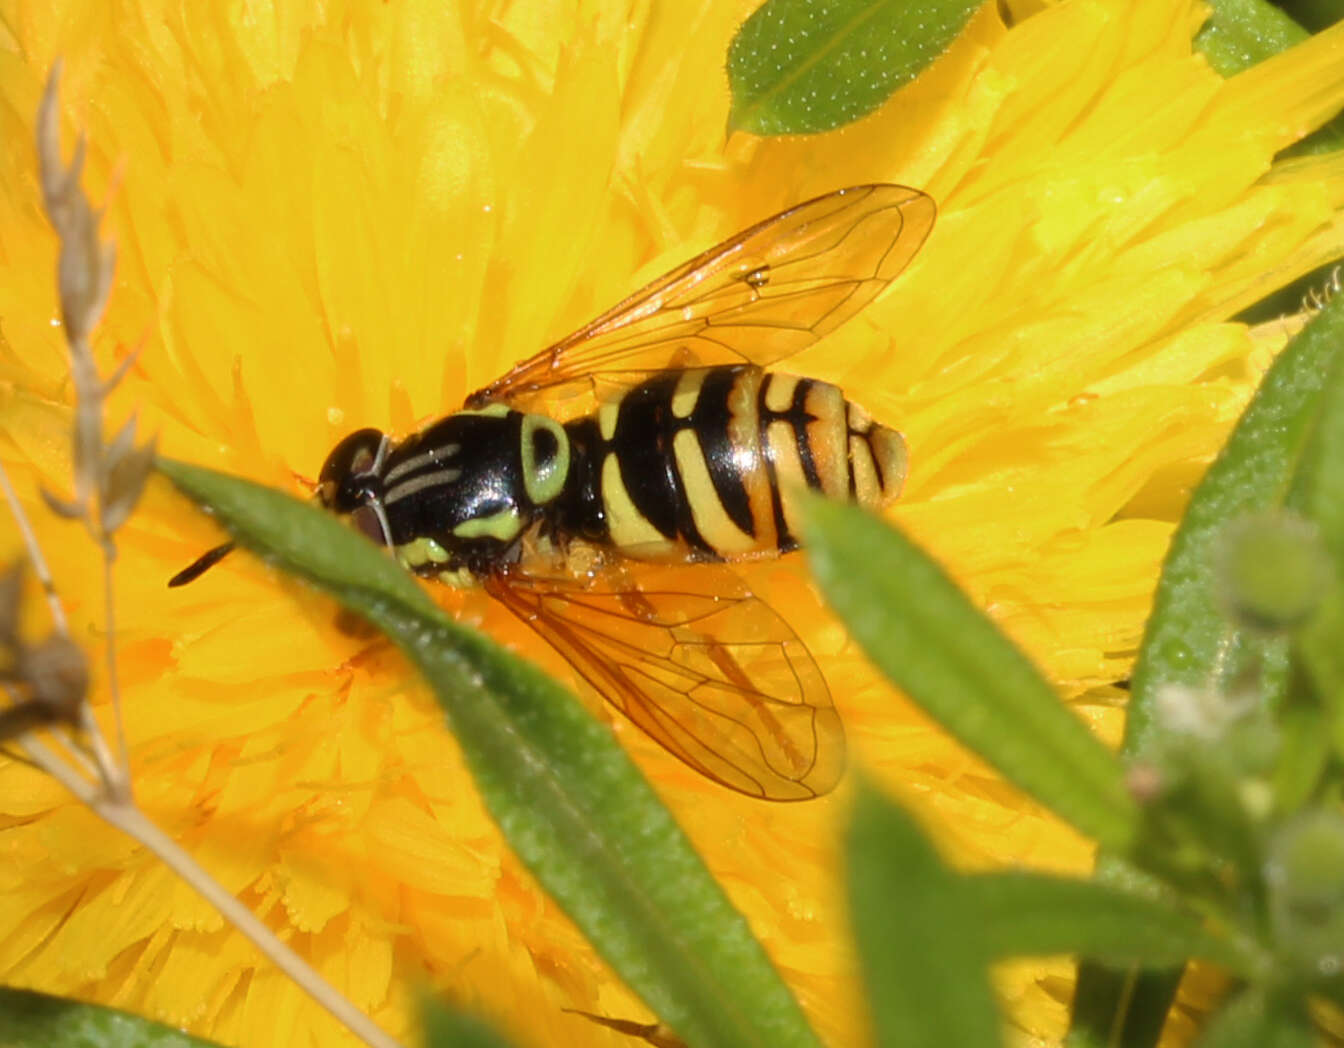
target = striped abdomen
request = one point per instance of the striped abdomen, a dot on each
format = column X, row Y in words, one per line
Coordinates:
column 707, row 463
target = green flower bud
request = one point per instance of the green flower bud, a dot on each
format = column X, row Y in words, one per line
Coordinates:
column 1304, row 872
column 1272, row 571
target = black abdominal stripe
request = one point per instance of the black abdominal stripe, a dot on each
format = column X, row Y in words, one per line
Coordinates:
column 716, row 459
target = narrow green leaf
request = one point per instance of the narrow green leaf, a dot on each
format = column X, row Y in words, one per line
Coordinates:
column 802, row 66
column 1306, row 735
column 570, row 802
column 1317, row 492
column 1187, row 639
column 1240, row 33
column 1035, row 915
column 36, row 1020
column 1317, row 489
column 923, row 633
column 1254, row 1021
column 448, row 1028
column 1321, row 658
column 1121, row 1007
column 924, row 967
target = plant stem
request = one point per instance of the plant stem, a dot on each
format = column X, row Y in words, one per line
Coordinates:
column 126, row 817
column 35, row 557
column 119, row 785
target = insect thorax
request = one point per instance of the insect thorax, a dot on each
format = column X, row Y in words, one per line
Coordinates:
column 455, row 499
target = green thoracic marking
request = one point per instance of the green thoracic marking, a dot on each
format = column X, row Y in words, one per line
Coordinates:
column 421, row 551
column 459, row 578
column 543, row 478
column 503, row 525
column 489, row 411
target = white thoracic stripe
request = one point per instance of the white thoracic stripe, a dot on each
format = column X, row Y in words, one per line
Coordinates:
column 425, row 480
column 435, row 455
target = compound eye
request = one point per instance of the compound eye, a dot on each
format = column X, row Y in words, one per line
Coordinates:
column 355, row 454
column 545, row 455
column 366, row 520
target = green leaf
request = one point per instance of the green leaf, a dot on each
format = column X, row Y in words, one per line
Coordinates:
column 923, row 633
column 1317, row 492
column 36, row 1020
column 1321, row 658
column 1254, row 1021
column 1242, row 33
column 802, row 66
column 448, row 1028
column 1188, row 639
column 1318, row 485
column 1317, row 489
column 924, row 967
column 1036, row 915
column 1115, row 1007
column 1306, row 735
column 570, row 802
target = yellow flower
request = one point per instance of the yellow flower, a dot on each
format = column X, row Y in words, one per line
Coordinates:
column 339, row 214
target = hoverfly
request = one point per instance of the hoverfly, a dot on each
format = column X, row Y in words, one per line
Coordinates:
column 573, row 487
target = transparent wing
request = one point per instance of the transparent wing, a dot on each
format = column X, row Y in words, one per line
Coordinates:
column 701, row 665
column 757, row 298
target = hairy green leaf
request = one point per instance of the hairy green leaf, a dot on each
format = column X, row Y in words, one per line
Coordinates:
column 802, row 66
column 1028, row 914
column 924, row 966
column 36, row 1020
column 1317, row 492
column 1317, row 489
column 570, row 802
column 1188, row 639
column 924, row 634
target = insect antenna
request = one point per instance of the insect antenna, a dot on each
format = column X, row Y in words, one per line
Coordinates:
column 201, row 565
column 210, row 558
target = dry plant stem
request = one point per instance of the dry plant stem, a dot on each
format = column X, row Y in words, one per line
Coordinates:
column 88, row 424
column 107, row 793
column 126, row 817
column 84, row 271
column 89, row 418
column 110, row 653
column 62, row 736
column 92, row 769
column 115, row 777
column 109, row 478
column 35, row 557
